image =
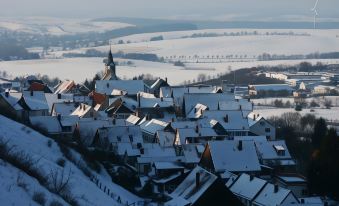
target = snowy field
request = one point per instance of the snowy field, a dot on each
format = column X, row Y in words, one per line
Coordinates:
column 57, row 26
column 251, row 45
column 79, row 69
column 320, row 100
column 328, row 114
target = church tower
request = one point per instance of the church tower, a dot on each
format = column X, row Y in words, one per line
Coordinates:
column 110, row 68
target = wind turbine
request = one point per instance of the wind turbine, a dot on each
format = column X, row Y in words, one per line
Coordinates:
column 314, row 9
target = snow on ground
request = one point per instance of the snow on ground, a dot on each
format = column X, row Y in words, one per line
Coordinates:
column 320, row 100
column 57, row 26
column 328, row 114
column 318, row 41
column 15, row 183
column 180, row 34
column 33, row 143
column 79, row 69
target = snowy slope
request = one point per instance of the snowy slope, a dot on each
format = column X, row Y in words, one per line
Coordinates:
column 35, row 144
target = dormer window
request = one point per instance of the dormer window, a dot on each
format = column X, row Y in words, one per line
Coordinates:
column 280, row 150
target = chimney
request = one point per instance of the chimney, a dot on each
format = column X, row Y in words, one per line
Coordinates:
column 248, row 99
column 276, row 188
column 251, row 177
column 173, row 119
column 240, row 108
column 114, row 121
column 7, row 94
column 302, row 201
column 240, row 145
column 162, row 99
column 197, row 129
column 107, row 85
column 138, row 98
column 59, row 96
column 253, row 116
column 197, row 179
column 166, row 79
column 31, row 92
column 59, row 117
column 142, row 151
column 226, row 118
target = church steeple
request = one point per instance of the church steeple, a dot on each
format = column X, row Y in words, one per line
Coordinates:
column 110, row 57
column 110, row 67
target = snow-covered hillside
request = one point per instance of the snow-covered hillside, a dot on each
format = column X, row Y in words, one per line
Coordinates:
column 250, row 45
column 46, row 154
column 57, row 26
column 79, row 69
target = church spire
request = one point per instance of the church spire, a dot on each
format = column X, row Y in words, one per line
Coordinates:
column 110, row 56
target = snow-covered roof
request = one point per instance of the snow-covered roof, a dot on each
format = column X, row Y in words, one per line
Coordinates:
column 132, row 119
column 167, row 165
column 271, row 87
column 132, row 87
column 67, row 121
column 54, row 98
column 210, row 100
column 127, row 148
column 237, row 104
column 64, row 87
column 88, row 127
column 271, row 198
column 226, row 155
column 156, row 102
column 185, row 133
column 230, row 120
column 64, row 108
column 251, row 138
column 50, row 123
column 192, row 152
column 268, row 150
column 197, row 111
column 82, row 110
column 247, row 187
column 12, row 99
column 183, row 124
column 188, row 189
column 165, row 138
column 115, row 134
column 152, row 126
column 35, row 100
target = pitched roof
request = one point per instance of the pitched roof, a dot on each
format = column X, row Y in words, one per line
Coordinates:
column 64, row 87
column 35, row 100
column 82, row 110
column 230, row 120
column 189, row 191
column 12, row 99
column 269, row 149
column 226, row 155
column 152, row 126
column 154, row 102
column 271, row 198
column 132, row 87
column 210, row 100
column 246, row 186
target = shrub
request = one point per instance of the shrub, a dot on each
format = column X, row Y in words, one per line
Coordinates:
column 61, row 162
column 39, row 197
column 49, row 143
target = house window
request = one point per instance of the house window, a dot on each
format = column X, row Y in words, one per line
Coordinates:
column 267, row 129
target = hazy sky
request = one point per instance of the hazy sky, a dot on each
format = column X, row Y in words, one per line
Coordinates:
column 192, row 9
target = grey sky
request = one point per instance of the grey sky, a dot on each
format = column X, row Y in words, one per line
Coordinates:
column 199, row 9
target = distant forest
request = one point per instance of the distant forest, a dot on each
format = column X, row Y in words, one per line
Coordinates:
column 135, row 56
column 268, row 57
column 10, row 49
